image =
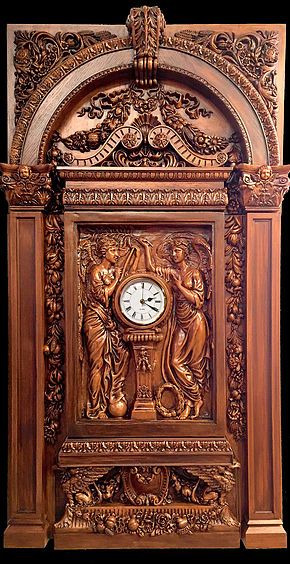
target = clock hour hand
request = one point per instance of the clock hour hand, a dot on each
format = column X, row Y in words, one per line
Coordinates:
column 152, row 307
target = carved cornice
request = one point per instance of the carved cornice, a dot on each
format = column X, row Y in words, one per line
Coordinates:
column 235, row 327
column 239, row 79
column 257, row 187
column 255, row 54
column 146, row 26
column 208, row 189
column 38, row 52
column 220, row 174
column 27, row 185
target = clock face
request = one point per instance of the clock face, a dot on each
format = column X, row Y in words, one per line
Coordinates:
column 142, row 301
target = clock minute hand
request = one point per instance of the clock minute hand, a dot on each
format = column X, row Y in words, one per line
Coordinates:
column 152, row 307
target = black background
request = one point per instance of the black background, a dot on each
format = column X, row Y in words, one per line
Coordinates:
column 107, row 12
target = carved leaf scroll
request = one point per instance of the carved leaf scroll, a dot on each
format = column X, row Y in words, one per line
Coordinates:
column 38, row 52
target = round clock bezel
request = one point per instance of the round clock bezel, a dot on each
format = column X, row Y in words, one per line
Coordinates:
column 140, row 276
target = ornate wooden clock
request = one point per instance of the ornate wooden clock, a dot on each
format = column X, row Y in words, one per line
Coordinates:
column 144, row 190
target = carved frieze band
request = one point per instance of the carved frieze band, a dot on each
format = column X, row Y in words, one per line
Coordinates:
column 148, row 499
column 160, row 197
column 235, row 328
column 253, row 187
column 148, row 446
column 54, row 347
column 27, row 185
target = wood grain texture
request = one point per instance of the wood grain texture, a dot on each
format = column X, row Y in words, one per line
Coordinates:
column 263, row 375
column 26, row 477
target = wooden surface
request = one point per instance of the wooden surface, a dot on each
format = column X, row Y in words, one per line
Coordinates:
column 226, row 466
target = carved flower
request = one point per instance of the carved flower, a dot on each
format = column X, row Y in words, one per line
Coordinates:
column 22, row 56
column 160, row 140
column 270, row 54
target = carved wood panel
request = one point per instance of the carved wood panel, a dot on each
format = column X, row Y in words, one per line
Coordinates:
column 145, row 193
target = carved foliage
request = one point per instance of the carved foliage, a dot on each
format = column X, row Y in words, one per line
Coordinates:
column 152, row 446
column 146, row 25
column 54, row 346
column 37, row 52
column 255, row 54
column 89, row 490
column 235, row 340
column 27, row 185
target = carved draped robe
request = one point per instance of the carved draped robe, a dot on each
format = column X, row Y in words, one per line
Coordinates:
column 186, row 354
column 108, row 355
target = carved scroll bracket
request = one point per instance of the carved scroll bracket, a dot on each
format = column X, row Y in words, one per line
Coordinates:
column 146, row 25
column 27, row 185
column 257, row 187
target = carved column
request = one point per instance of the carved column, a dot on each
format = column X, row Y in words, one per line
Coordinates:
column 28, row 190
column 258, row 192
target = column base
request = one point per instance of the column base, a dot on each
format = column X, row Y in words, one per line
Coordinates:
column 26, row 536
column 265, row 536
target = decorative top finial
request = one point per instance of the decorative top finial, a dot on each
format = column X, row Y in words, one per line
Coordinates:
column 146, row 25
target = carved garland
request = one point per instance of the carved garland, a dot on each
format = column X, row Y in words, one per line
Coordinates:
column 54, row 347
column 234, row 251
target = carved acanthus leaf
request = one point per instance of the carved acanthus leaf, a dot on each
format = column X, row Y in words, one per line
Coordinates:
column 146, row 25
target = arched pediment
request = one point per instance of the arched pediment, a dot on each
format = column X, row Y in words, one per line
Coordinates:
column 209, row 109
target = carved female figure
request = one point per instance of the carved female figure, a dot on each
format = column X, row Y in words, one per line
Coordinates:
column 107, row 353
column 185, row 361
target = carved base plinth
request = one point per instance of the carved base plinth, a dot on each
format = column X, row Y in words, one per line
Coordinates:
column 26, row 536
column 263, row 535
column 174, row 525
column 77, row 540
column 144, row 409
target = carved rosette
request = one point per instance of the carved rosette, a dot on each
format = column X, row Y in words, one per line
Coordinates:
column 254, row 187
column 27, row 185
column 235, row 337
column 145, row 499
column 146, row 25
column 54, row 346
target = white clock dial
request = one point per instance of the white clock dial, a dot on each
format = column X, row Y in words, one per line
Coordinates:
column 142, row 301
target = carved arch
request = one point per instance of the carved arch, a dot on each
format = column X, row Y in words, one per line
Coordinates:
column 228, row 84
